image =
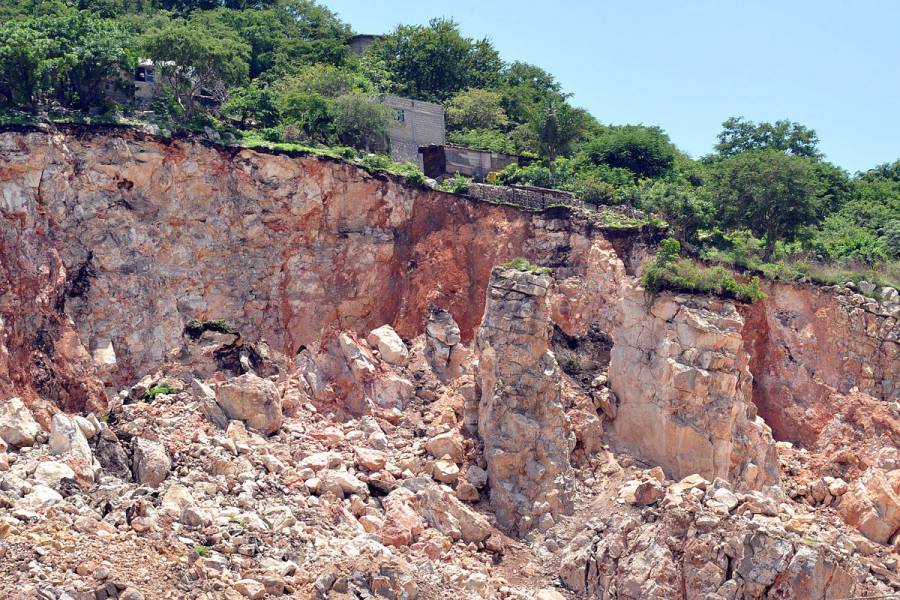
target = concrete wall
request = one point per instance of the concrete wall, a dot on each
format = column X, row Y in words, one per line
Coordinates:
column 418, row 124
column 361, row 42
column 441, row 161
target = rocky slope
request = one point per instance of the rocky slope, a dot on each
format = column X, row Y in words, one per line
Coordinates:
column 234, row 374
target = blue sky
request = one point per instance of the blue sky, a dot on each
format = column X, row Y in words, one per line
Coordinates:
column 687, row 66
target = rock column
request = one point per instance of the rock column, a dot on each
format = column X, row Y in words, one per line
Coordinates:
column 520, row 417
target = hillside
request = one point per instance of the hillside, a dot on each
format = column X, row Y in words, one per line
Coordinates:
column 291, row 74
column 241, row 373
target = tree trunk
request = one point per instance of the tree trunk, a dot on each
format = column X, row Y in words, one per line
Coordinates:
column 770, row 242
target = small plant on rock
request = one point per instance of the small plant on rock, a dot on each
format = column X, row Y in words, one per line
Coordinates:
column 156, row 390
column 522, row 264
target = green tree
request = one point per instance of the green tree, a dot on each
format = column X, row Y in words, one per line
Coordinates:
column 476, row 109
column 557, row 128
column 190, row 60
column 68, row 55
column 326, row 80
column 526, row 90
column 26, row 68
column 93, row 52
column 311, row 113
column 252, row 104
column 361, row 121
column 645, row 151
column 281, row 35
column 686, row 208
column 435, row 62
column 768, row 192
column 739, row 135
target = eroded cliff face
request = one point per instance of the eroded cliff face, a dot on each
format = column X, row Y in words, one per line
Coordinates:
column 809, row 343
column 112, row 241
column 680, row 371
column 400, row 460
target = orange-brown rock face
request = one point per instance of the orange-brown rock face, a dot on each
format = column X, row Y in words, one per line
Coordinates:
column 112, row 241
column 825, row 363
column 680, row 371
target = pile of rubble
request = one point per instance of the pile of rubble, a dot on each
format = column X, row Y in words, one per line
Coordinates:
column 376, row 467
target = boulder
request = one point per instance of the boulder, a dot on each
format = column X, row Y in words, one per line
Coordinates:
column 17, row 425
column 446, row 513
column 67, row 439
column 151, row 463
column 389, row 345
column 872, row 504
column 447, row 444
column 41, row 496
column 341, row 483
column 373, row 460
column 252, row 399
column 445, row 471
column 402, row 524
column 51, row 473
column 443, row 343
column 111, row 455
column 207, row 398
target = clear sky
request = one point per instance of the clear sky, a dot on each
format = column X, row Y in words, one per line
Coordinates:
column 688, row 65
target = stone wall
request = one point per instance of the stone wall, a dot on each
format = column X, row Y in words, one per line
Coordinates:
column 526, row 197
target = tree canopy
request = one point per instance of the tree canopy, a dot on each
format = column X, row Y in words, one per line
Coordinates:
column 739, row 135
column 768, row 192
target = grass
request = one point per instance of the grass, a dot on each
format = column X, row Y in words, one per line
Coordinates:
column 797, row 269
column 201, row 550
column 616, row 220
column 684, row 275
column 156, row 390
column 522, row 264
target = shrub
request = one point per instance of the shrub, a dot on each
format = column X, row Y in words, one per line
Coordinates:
column 457, row 184
column 195, row 327
column 669, row 272
column 596, row 191
column 483, row 139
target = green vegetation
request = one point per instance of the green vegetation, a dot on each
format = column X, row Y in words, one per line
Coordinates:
column 156, row 390
column 195, row 328
column 456, row 184
column 670, row 272
column 522, row 264
column 201, row 550
column 279, row 74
